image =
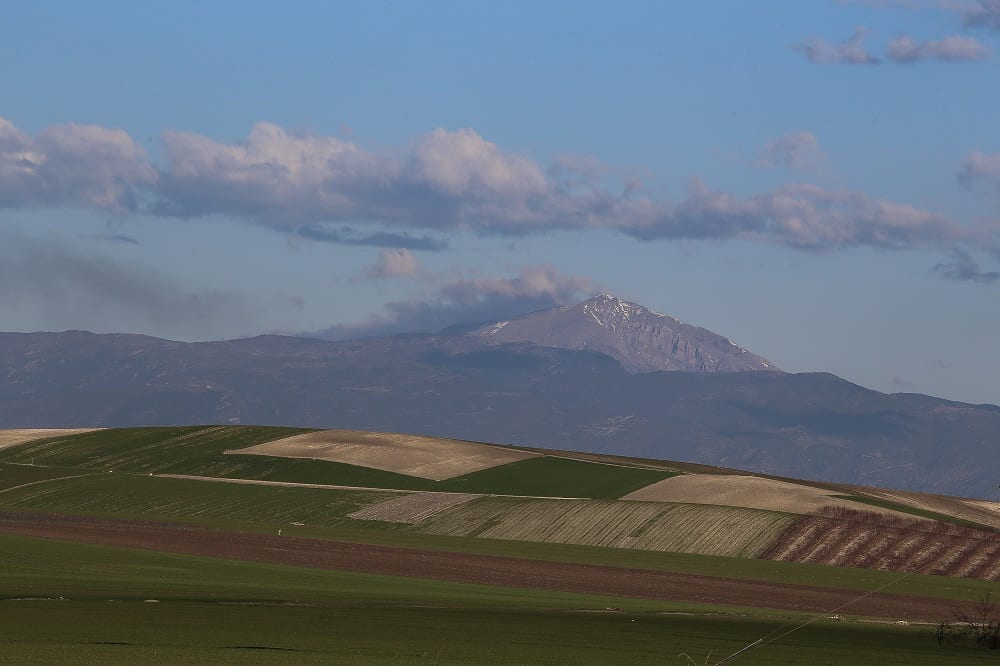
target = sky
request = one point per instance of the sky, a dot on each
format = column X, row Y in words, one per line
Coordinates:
column 817, row 180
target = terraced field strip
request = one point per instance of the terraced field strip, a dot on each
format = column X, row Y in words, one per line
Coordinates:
column 981, row 512
column 411, row 508
column 686, row 528
column 873, row 541
column 426, row 457
column 13, row 437
column 158, row 497
column 752, row 492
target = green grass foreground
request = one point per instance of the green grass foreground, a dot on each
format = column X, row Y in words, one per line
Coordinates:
column 217, row 611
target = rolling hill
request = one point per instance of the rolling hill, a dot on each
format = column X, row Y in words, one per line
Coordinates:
column 808, row 425
column 233, row 544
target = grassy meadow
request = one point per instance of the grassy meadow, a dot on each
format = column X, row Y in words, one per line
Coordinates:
column 73, row 603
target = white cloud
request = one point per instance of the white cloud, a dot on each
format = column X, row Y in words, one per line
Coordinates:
column 395, row 263
column 444, row 182
column 71, row 165
column 980, row 167
column 793, row 150
column 849, row 52
column 953, row 48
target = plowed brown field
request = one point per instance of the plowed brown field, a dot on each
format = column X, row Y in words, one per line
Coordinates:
column 872, row 541
column 470, row 568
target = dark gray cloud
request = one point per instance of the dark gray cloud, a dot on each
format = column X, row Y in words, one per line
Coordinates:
column 953, row 48
column 982, row 14
column 111, row 238
column 964, row 267
column 59, row 287
column 849, row 52
column 469, row 301
column 350, row 236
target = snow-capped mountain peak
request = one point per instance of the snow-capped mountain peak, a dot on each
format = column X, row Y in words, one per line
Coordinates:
column 640, row 339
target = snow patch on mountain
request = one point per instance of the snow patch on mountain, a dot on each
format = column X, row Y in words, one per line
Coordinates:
column 641, row 339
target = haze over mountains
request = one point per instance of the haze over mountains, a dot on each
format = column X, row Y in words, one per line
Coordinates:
column 587, row 377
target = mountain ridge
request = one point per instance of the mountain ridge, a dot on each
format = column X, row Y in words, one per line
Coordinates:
column 642, row 340
column 807, row 425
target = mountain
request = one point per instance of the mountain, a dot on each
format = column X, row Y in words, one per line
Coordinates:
column 638, row 338
column 471, row 385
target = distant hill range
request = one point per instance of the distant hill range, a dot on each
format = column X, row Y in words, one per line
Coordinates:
column 588, row 377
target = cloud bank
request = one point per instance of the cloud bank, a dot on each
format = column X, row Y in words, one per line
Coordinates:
column 330, row 190
column 444, row 182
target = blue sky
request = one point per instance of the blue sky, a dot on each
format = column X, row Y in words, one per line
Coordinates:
column 819, row 181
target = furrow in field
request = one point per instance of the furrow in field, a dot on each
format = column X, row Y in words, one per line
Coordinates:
column 873, row 541
column 412, row 508
column 636, row 525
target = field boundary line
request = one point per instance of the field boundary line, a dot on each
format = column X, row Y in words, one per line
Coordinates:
column 58, row 478
column 321, row 486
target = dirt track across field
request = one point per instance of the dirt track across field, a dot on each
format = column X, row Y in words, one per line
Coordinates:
column 470, row 568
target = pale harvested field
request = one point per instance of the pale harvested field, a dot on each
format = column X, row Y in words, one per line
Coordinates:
column 17, row 436
column 752, row 492
column 982, row 512
column 426, row 457
column 687, row 528
column 412, row 508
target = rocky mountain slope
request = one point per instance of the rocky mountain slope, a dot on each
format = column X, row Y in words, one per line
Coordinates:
column 638, row 338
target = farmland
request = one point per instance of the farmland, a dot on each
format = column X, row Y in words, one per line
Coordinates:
column 426, row 457
column 22, row 435
column 511, row 555
column 735, row 532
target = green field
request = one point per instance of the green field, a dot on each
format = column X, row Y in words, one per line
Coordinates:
column 74, row 603
column 200, row 451
column 215, row 611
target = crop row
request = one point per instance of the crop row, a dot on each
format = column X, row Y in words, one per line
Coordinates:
column 411, row 508
column 870, row 541
column 687, row 528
